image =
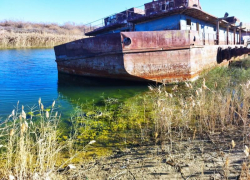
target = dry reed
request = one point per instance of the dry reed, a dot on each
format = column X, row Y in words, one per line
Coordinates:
column 20, row 34
column 33, row 150
column 34, row 40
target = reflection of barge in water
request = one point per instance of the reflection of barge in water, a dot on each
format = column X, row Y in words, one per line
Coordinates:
column 169, row 41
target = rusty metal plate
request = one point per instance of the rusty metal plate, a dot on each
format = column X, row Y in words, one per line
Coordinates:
column 156, row 39
column 89, row 47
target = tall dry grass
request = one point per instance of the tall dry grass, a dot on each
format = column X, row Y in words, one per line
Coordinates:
column 30, row 146
column 213, row 104
column 34, row 40
column 20, row 34
column 206, row 109
column 69, row 28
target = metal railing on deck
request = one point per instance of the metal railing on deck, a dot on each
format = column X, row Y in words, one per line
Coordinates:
column 94, row 25
column 100, row 22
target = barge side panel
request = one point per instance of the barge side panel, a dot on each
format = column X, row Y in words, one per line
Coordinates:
column 205, row 57
column 156, row 39
column 108, row 66
column 160, row 66
column 89, row 47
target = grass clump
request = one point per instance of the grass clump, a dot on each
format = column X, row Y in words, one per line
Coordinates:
column 30, row 147
column 219, row 100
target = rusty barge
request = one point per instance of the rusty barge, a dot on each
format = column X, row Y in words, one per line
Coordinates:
column 169, row 41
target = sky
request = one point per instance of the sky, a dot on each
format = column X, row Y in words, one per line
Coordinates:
column 85, row 11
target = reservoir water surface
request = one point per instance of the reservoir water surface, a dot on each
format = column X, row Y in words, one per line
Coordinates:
column 29, row 74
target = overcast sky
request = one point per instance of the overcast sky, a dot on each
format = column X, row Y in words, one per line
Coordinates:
column 84, row 11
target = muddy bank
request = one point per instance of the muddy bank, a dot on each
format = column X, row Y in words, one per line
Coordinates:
column 210, row 156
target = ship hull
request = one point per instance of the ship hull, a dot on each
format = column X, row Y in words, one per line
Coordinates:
column 160, row 56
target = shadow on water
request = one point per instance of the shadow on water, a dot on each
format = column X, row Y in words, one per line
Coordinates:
column 86, row 89
column 66, row 79
column 81, row 90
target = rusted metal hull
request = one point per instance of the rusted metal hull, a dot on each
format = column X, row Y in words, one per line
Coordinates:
column 161, row 56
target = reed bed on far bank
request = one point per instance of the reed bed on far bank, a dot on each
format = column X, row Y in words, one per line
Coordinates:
column 21, row 34
column 34, row 40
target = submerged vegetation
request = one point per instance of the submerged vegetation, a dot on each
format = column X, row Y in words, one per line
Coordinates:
column 36, row 145
column 20, row 34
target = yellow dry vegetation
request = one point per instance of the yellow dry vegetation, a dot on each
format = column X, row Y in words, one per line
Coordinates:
column 34, row 40
column 21, row 34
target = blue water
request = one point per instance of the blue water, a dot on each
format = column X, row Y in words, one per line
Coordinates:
column 29, row 74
